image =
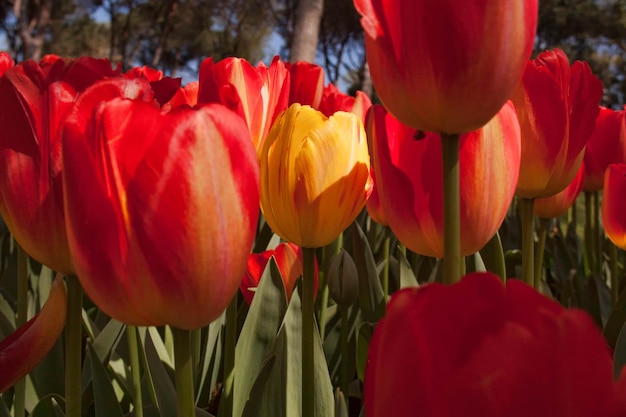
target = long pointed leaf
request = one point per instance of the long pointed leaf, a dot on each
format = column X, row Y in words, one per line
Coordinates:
column 258, row 334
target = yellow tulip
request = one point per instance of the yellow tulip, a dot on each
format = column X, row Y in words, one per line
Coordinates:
column 315, row 175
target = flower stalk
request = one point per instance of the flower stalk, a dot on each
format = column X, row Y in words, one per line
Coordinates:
column 451, row 209
column 308, row 327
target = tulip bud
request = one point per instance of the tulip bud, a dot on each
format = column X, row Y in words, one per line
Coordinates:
column 557, row 106
column 614, row 204
column 446, row 66
column 315, row 175
column 605, row 146
column 480, row 348
column 288, row 259
column 258, row 93
column 408, row 166
column 161, row 208
column 343, row 279
column 34, row 100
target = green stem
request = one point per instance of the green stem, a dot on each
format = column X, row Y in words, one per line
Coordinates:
column 308, row 327
column 597, row 235
column 344, row 375
column 614, row 277
column 451, row 209
column 19, row 398
column 329, row 253
column 526, row 206
column 73, row 347
column 196, row 347
column 542, row 233
column 385, row 276
column 135, row 370
column 226, row 402
column 589, row 235
column 323, row 311
column 185, row 403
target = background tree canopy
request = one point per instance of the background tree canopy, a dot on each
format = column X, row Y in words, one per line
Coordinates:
column 175, row 35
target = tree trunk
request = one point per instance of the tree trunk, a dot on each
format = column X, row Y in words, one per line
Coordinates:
column 306, row 30
column 32, row 20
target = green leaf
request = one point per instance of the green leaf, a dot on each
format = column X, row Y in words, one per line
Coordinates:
column 253, row 404
column 4, row 410
column 619, row 354
column 258, row 334
column 341, row 409
column 407, row 277
column 107, row 339
column 159, row 384
column 49, row 406
column 366, row 330
column 479, row 265
column 616, row 321
column 210, row 361
column 371, row 297
column 492, row 255
column 105, row 401
column 282, row 397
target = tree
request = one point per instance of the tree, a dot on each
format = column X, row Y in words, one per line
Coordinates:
column 305, row 39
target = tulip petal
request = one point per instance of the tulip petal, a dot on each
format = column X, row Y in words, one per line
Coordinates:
column 314, row 174
column 614, row 204
column 479, row 348
column 23, row 349
column 135, row 261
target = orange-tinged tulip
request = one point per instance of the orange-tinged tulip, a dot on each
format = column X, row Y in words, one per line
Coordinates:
column 557, row 106
column 482, row 349
column 288, row 258
column 258, row 93
column 558, row 204
column 605, row 146
column 23, row 349
column 408, row 165
column 614, row 204
column 446, row 66
column 34, row 99
column 161, row 208
column 374, row 206
column 315, row 175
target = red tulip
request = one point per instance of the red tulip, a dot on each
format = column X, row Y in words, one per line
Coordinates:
column 6, row 62
column 614, row 204
column 23, row 349
column 557, row 106
column 34, row 99
column 619, row 395
column 408, row 166
column 334, row 100
column 604, row 147
column 257, row 93
column 307, row 84
column 161, row 207
column 558, row 204
column 479, row 348
column 288, row 258
column 446, row 66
